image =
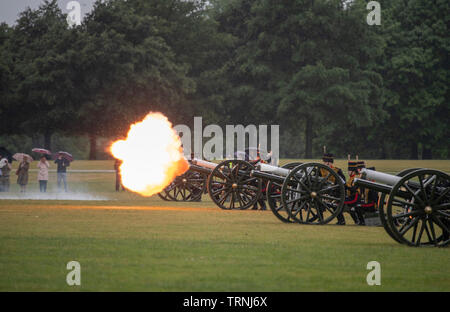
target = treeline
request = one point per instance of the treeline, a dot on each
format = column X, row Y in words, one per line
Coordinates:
column 315, row 67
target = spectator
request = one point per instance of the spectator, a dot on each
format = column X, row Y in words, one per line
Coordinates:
column 22, row 175
column 5, row 169
column 62, row 164
column 43, row 166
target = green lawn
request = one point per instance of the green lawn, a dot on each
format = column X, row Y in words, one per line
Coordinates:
column 125, row 242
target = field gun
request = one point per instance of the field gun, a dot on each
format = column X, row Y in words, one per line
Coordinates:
column 310, row 193
column 414, row 206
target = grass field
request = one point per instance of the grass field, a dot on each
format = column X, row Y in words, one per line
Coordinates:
column 125, row 242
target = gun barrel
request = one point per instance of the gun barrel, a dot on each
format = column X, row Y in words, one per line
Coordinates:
column 204, row 163
column 378, row 187
column 267, row 176
column 274, row 170
column 380, row 177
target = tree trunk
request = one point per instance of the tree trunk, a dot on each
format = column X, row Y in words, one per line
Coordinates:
column 48, row 140
column 308, row 137
column 427, row 153
column 35, row 140
column 414, row 151
column 93, row 147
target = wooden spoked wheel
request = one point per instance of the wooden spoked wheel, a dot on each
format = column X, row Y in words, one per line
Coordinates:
column 230, row 185
column 313, row 193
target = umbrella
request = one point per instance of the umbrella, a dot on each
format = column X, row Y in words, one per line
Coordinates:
column 41, row 151
column 5, row 153
column 21, row 156
column 64, row 155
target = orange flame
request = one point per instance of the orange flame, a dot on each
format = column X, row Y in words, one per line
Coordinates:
column 152, row 155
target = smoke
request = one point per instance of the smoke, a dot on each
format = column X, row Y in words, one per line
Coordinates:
column 52, row 196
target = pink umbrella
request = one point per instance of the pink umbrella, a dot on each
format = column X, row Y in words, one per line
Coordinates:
column 41, row 151
column 64, row 155
column 20, row 156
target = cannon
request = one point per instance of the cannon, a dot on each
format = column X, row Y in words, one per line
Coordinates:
column 187, row 187
column 310, row 193
column 228, row 184
column 414, row 207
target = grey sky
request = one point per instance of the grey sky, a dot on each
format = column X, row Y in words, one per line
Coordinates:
column 10, row 9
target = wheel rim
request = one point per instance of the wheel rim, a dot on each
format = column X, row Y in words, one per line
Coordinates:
column 273, row 196
column 163, row 195
column 313, row 193
column 418, row 209
column 382, row 208
column 187, row 187
column 230, row 185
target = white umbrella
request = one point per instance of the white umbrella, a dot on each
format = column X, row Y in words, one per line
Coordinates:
column 20, row 156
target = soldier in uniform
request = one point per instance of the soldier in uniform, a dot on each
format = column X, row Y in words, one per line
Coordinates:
column 119, row 184
column 352, row 192
column 369, row 198
column 328, row 160
column 261, row 199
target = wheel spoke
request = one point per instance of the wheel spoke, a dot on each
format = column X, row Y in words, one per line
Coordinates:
column 441, row 196
column 406, row 214
column 422, row 188
column 420, row 232
column 433, row 234
column 295, row 200
column 414, row 194
column 414, row 233
column 443, row 213
column 326, row 206
column 404, row 229
column 440, row 224
column 328, row 189
column 301, row 183
column 232, row 200
column 319, row 212
column 330, row 197
column 403, row 202
column 241, row 204
column 224, row 197
column 427, row 231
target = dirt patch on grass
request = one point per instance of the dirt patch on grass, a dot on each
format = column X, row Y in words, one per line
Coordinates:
column 154, row 208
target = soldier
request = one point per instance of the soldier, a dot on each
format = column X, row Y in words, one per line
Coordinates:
column 369, row 198
column 261, row 199
column 353, row 194
column 328, row 160
column 119, row 184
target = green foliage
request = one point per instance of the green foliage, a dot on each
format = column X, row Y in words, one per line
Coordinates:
column 312, row 66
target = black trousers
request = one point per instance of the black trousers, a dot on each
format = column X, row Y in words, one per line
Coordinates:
column 43, row 186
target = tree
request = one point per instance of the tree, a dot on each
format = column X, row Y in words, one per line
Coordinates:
column 415, row 70
column 303, row 63
column 43, row 88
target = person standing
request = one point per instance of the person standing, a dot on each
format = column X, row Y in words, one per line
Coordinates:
column 353, row 199
column 5, row 168
column 119, row 184
column 61, row 171
column 22, row 175
column 328, row 160
column 43, row 166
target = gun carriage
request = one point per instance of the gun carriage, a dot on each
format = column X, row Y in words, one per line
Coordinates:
column 415, row 204
column 228, row 183
column 310, row 193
